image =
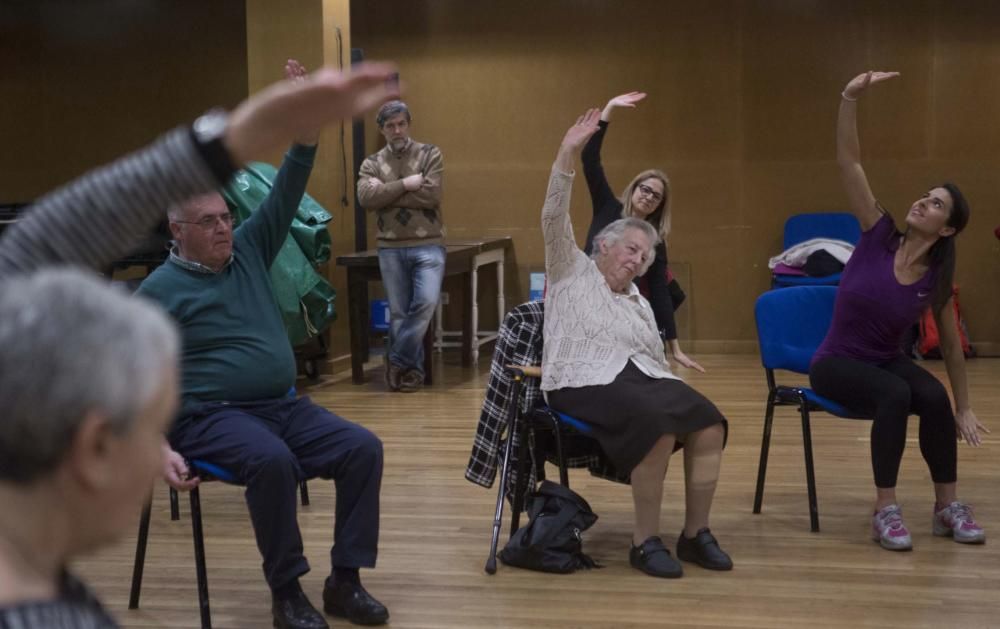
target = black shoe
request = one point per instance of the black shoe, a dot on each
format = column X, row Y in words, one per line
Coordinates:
column 296, row 612
column 703, row 550
column 653, row 558
column 351, row 601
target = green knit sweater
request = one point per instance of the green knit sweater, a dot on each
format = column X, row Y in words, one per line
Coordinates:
column 235, row 348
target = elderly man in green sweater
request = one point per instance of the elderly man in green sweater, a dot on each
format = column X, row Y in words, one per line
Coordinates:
column 238, row 410
column 402, row 184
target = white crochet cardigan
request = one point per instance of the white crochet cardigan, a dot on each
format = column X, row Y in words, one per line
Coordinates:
column 590, row 332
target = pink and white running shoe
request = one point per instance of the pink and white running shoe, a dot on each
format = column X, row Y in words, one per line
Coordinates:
column 956, row 521
column 889, row 531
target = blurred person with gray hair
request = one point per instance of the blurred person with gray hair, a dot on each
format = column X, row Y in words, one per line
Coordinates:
column 88, row 385
column 603, row 363
column 401, row 183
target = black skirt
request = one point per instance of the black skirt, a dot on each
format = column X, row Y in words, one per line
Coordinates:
column 631, row 413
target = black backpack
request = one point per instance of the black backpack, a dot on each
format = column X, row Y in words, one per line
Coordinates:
column 550, row 541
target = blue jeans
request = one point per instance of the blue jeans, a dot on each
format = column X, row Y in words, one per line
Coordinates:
column 412, row 279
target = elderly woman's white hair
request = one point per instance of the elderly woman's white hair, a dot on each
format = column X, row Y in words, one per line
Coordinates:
column 614, row 232
column 69, row 345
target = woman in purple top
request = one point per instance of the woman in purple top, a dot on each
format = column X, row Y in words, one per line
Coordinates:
column 888, row 282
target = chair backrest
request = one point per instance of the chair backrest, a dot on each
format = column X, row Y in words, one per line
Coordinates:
column 791, row 323
column 838, row 225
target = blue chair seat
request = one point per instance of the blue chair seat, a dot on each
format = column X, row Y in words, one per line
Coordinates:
column 211, row 471
column 580, row 426
column 819, row 403
column 805, row 280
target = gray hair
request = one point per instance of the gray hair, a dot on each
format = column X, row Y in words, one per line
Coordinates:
column 614, row 232
column 69, row 345
column 390, row 109
column 175, row 212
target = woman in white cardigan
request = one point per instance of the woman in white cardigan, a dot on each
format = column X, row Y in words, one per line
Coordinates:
column 603, row 363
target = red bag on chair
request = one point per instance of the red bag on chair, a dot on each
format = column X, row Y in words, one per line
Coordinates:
column 929, row 341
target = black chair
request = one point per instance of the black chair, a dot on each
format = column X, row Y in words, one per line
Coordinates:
column 791, row 324
column 207, row 472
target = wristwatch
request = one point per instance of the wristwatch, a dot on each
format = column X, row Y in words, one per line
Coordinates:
column 207, row 133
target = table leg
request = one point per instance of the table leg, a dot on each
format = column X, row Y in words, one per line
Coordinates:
column 501, row 306
column 474, row 292
column 468, row 301
column 428, row 355
column 357, row 289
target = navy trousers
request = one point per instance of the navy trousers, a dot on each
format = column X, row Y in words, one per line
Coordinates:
column 271, row 445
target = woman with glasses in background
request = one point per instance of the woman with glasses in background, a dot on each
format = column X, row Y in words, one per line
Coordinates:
column 646, row 197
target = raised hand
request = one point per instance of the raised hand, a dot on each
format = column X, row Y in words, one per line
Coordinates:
column 296, row 72
column 576, row 136
column 292, row 109
column 860, row 83
column 622, row 100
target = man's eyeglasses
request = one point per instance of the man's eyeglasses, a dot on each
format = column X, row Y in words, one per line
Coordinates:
column 649, row 192
column 208, row 222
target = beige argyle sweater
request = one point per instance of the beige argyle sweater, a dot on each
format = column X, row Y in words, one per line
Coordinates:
column 404, row 219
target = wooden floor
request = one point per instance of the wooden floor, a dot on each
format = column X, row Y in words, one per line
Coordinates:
column 435, row 530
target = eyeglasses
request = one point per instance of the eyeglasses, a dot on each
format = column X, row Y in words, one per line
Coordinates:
column 649, row 192
column 208, row 222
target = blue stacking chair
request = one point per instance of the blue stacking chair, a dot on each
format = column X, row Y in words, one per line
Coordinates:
column 791, row 324
column 803, row 227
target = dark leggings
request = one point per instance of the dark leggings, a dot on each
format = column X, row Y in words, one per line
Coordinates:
column 890, row 392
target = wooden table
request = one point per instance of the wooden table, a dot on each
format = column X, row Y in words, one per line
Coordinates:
column 463, row 257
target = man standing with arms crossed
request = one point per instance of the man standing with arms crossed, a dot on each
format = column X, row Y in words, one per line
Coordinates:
column 401, row 183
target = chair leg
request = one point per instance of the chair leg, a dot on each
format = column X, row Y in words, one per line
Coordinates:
column 304, row 493
column 175, row 508
column 199, row 559
column 765, row 447
column 810, row 472
column 560, row 455
column 140, row 553
column 491, row 560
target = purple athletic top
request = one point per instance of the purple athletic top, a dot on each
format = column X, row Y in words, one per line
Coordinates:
column 873, row 310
